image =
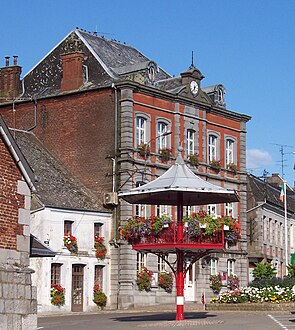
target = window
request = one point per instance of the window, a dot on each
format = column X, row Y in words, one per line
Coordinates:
column 162, row 210
column 161, row 265
column 141, row 260
column 291, row 235
column 230, row 267
column 140, row 209
column 68, row 227
column 97, row 229
column 229, row 151
column 161, row 140
column 213, row 266
column 212, row 209
column 98, row 275
column 229, row 209
column 212, row 148
column 55, row 273
column 190, row 141
column 141, row 124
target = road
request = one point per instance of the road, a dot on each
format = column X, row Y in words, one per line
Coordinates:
column 153, row 321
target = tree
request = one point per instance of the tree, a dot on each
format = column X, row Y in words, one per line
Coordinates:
column 264, row 270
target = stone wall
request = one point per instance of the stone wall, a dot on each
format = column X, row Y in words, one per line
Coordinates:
column 18, row 299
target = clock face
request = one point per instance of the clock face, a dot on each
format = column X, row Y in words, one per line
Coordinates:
column 194, row 87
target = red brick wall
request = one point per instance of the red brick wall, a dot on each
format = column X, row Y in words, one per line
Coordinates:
column 10, row 200
column 78, row 128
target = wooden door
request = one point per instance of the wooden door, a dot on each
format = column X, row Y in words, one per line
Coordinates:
column 77, row 288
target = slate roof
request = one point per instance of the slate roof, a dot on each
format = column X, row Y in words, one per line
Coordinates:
column 263, row 191
column 55, row 186
column 107, row 61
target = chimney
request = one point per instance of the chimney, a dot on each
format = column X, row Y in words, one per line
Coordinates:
column 72, row 72
column 10, row 80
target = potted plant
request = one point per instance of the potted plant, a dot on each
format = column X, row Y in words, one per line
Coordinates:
column 100, row 247
column 165, row 154
column 144, row 279
column 144, row 150
column 99, row 298
column 70, row 243
column 232, row 167
column 215, row 165
column 193, row 159
column 57, row 295
column 215, row 283
column 165, row 281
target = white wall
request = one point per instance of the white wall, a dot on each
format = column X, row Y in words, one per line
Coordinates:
column 48, row 224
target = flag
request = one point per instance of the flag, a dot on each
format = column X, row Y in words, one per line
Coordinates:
column 283, row 193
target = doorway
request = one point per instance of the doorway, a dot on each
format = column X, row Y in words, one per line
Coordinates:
column 189, row 281
column 77, row 288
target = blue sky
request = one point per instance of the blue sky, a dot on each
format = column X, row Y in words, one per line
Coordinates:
column 247, row 45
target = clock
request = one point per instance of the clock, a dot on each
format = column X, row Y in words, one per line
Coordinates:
column 194, row 87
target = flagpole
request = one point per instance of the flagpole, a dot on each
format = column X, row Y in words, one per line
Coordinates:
column 286, row 228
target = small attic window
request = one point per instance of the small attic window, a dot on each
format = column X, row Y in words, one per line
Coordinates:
column 151, row 72
column 220, row 96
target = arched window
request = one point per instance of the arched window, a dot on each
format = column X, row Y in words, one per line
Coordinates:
column 212, row 148
column 162, row 140
column 229, row 151
column 190, row 141
column 141, row 130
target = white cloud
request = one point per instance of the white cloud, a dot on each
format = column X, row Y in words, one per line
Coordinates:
column 257, row 159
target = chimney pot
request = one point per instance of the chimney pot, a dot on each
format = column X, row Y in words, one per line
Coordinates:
column 15, row 59
column 7, row 60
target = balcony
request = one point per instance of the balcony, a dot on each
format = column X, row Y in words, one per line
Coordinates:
column 167, row 241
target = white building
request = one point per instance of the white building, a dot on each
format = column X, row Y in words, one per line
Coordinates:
column 63, row 206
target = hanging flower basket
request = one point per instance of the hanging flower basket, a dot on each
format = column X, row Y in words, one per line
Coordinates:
column 144, row 150
column 233, row 232
column 165, row 154
column 99, row 298
column 100, row 248
column 144, row 279
column 57, row 295
column 165, row 281
column 138, row 227
column 215, row 165
column 215, row 283
column 193, row 159
column 233, row 282
column 70, row 243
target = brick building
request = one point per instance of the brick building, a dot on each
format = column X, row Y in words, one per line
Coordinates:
column 18, row 307
column 95, row 103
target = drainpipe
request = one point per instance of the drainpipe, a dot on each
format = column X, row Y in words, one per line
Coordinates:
column 35, row 115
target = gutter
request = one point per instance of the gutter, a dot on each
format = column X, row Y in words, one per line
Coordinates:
column 256, row 207
column 18, row 160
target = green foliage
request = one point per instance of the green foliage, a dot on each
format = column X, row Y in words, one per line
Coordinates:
column 291, row 270
column 264, row 270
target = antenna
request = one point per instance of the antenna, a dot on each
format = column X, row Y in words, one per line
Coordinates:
column 283, row 153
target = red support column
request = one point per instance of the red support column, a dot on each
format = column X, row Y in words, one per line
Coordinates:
column 179, row 287
column 179, row 256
